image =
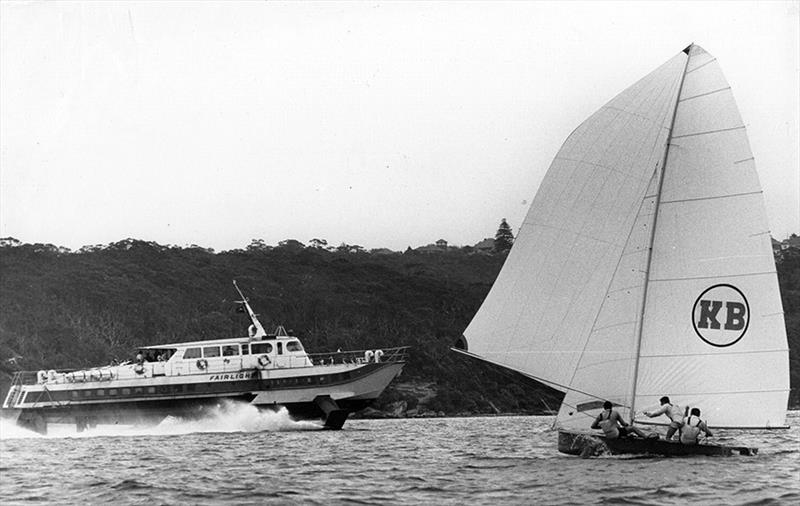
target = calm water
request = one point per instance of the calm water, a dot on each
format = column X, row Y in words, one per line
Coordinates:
column 244, row 457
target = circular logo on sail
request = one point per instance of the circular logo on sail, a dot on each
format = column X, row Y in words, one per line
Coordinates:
column 721, row 315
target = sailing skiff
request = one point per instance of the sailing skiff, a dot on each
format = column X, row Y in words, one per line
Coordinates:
column 644, row 268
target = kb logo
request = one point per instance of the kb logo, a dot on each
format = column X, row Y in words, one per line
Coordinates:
column 721, row 315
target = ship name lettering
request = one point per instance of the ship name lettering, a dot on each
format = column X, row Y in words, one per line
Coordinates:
column 234, row 376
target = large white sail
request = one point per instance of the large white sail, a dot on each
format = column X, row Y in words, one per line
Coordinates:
column 583, row 305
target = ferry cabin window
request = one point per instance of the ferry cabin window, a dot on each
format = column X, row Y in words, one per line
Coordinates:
column 280, row 348
column 259, row 348
column 245, row 349
column 228, row 351
column 192, row 353
column 293, row 346
column 210, row 351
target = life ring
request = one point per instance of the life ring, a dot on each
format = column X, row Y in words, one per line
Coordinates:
column 263, row 360
column 138, row 369
column 202, row 364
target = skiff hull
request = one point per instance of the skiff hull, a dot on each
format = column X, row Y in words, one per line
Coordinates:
column 588, row 445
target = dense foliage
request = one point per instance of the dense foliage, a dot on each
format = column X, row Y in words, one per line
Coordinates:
column 60, row 309
column 788, row 264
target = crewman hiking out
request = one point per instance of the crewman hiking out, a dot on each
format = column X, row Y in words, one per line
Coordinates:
column 674, row 412
column 690, row 433
column 612, row 424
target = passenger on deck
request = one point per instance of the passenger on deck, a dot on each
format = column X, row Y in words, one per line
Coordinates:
column 612, row 424
column 690, row 433
column 139, row 358
column 674, row 412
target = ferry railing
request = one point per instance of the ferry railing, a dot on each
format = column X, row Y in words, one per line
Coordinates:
column 24, row 378
column 398, row 354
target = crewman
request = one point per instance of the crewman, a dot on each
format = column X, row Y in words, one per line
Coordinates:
column 674, row 413
column 612, row 424
column 690, row 433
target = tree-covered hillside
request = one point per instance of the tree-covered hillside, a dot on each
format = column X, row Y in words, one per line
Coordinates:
column 60, row 309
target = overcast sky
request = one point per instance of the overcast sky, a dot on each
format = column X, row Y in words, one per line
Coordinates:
column 378, row 124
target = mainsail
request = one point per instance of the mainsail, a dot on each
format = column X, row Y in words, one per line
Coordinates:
column 644, row 265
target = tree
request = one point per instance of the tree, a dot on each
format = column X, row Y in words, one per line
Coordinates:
column 503, row 239
column 291, row 245
column 258, row 245
column 317, row 243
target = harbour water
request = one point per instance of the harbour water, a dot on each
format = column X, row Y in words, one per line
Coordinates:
column 241, row 456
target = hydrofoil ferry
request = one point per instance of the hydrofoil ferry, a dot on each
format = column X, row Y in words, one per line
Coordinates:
column 268, row 370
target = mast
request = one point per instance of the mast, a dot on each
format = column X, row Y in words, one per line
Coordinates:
column 257, row 330
column 687, row 50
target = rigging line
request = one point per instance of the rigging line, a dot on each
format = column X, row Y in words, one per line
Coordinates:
column 653, row 238
column 528, row 375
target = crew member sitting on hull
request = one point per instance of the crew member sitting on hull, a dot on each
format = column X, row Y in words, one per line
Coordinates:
column 612, row 424
column 674, row 413
column 690, row 433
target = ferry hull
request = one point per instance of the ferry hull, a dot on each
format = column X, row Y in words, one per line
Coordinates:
column 588, row 445
column 149, row 413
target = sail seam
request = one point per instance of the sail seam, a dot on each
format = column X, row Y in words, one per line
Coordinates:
column 712, row 198
column 612, row 169
column 728, row 427
column 595, row 329
column 585, row 367
column 632, row 114
column 708, row 132
column 714, row 277
column 701, row 66
column 632, row 287
column 704, row 94
column 715, row 353
column 577, row 234
column 721, row 392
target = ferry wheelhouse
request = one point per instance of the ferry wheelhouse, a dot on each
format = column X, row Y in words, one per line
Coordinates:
column 268, row 370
